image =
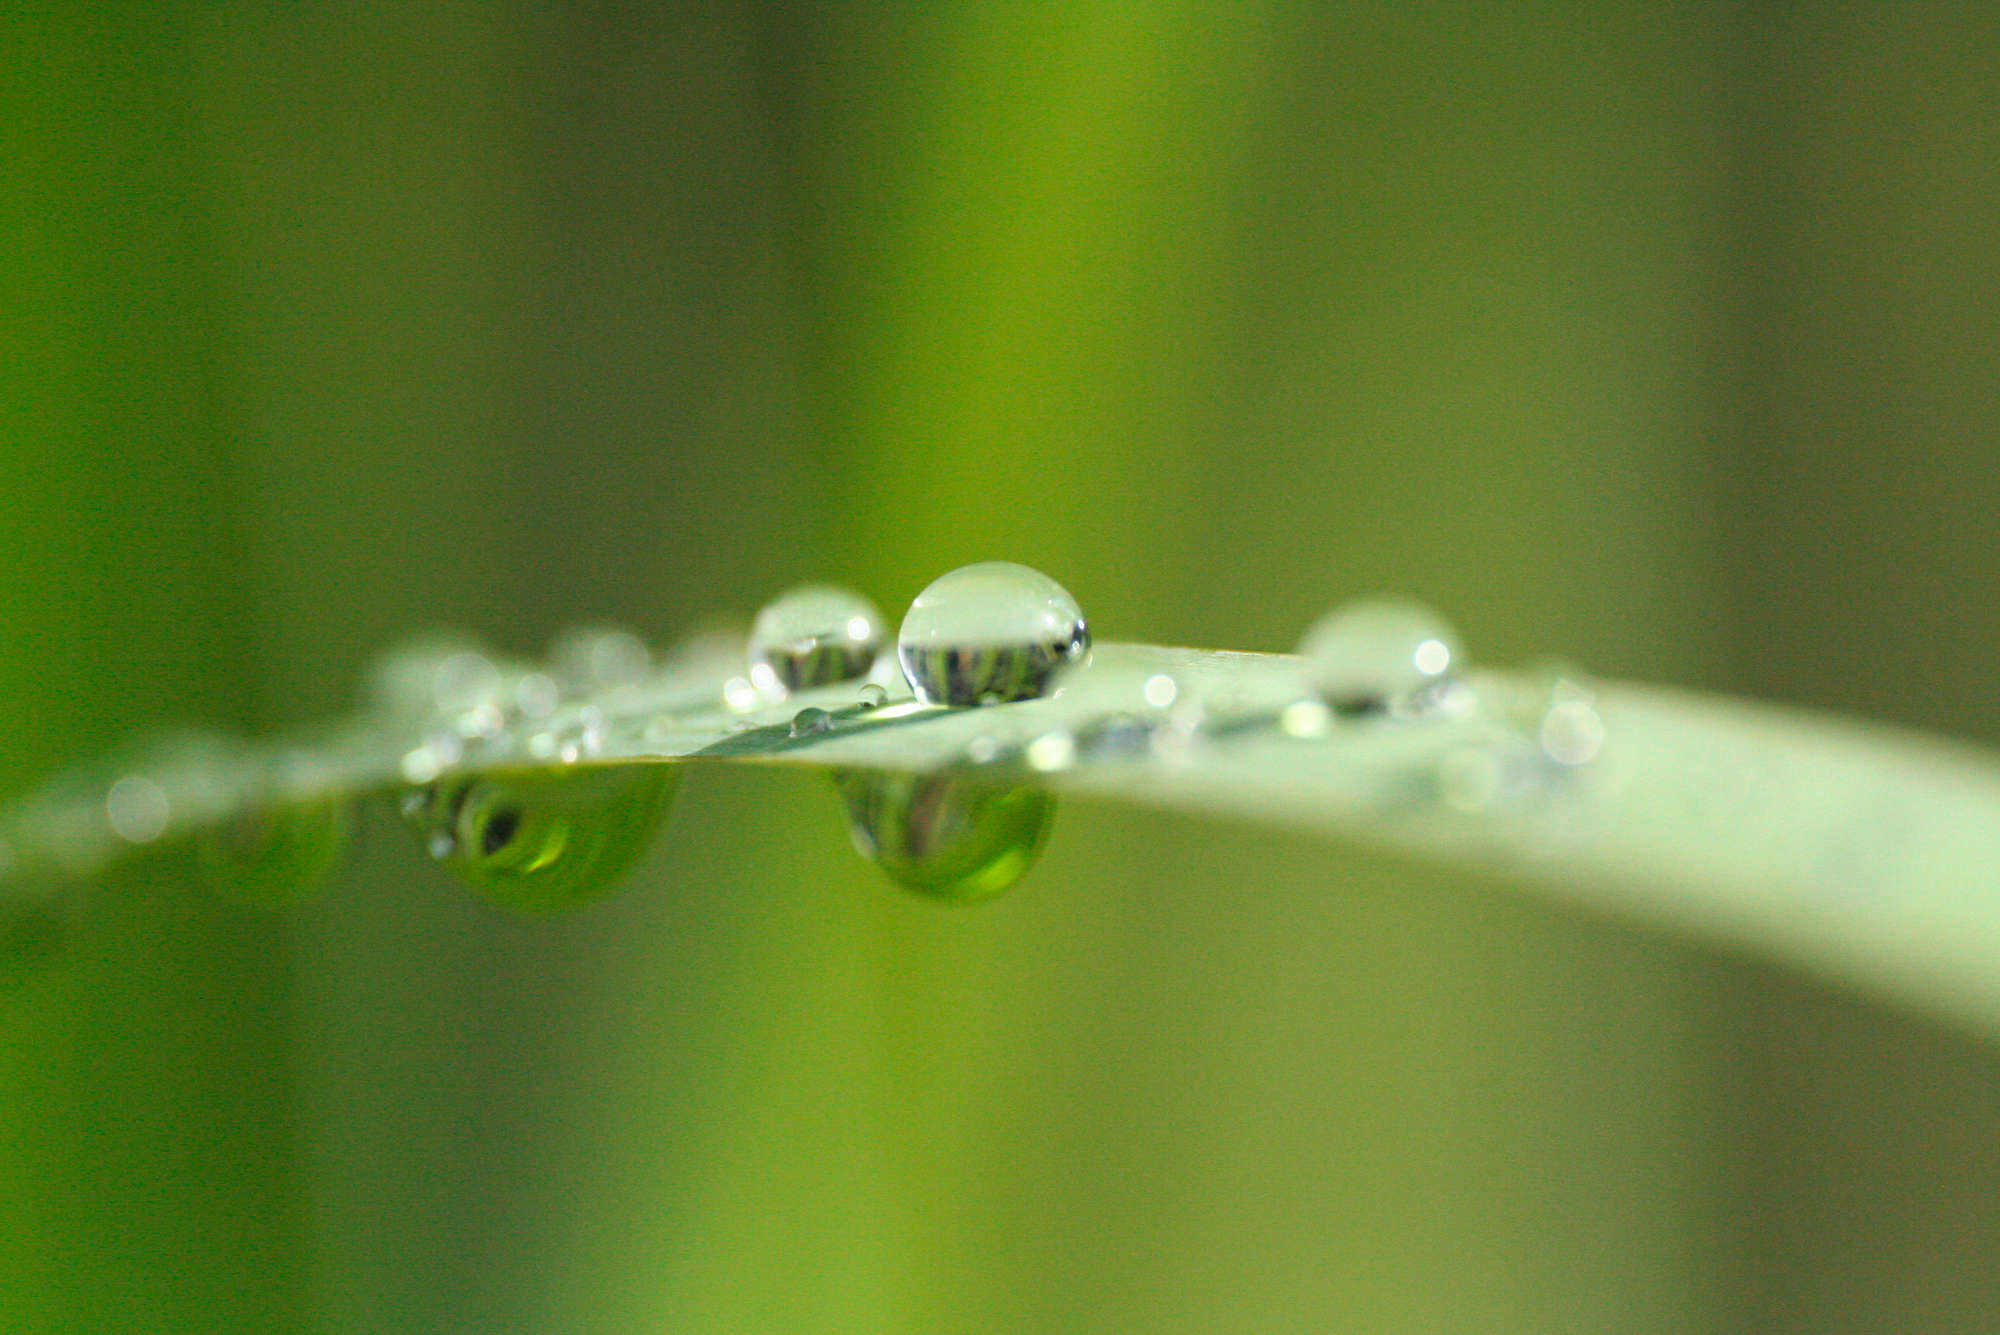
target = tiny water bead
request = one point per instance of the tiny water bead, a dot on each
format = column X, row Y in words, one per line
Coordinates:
column 950, row 835
column 1381, row 656
column 815, row 636
column 587, row 659
column 435, row 674
column 543, row 842
column 276, row 855
column 810, row 722
column 990, row 633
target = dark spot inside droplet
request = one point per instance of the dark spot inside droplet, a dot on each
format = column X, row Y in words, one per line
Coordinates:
column 501, row 827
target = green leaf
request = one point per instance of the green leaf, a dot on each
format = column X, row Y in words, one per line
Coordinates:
column 1861, row 854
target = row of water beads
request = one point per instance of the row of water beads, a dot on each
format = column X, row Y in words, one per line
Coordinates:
column 498, row 794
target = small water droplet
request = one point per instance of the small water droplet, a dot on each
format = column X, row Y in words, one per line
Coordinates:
column 435, row 674
column 545, row 842
column 814, row 636
column 810, row 722
column 276, row 855
column 740, row 695
column 138, row 809
column 990, row 633
column 1304, row 718
column 1571, row 732
column 536, row 695
column 587, row 659
column 949, row 835
column 1051, row 752
column 1381, row 657
column 874, row 695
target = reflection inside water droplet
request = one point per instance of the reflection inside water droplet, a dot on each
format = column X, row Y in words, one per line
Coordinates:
column 1381, row 656
column 990, row 633
column 276, row 855
column 543, row 842
column 814, row 636
column 951, row 835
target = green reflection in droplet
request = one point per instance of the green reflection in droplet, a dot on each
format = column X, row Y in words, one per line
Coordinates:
column 275, row 855
column 543, row 842
column 951, row 835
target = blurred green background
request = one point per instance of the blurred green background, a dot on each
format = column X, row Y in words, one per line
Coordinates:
column 1659, row 337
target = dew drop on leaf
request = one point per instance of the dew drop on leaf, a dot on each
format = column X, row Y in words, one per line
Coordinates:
column 276, row 855
column 435, row 674
column 810, row 722
column 818, row 635
column 950, row 834
column 1381, row 656
column 587, row 659
column 990, row 633
column 543, row 842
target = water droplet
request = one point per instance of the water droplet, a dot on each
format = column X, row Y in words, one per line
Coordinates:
column 1051, row 752
column 989, row 633
column 950, row 835
column 815, row 636
column 138, row 809
column 276, row 855
column 1304, row 718
column 437, row 674
column 587, row 659
column 874, row 695
column 740, row 695
column 536, row 695
column 544, row 842
column 811, row 721
column 1381, row 657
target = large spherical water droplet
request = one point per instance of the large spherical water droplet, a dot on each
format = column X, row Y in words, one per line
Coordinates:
column 989, row 633
column 815, row 636
column 543, row 842
column 949, row 835
column 277, row 855
column 1381, row 657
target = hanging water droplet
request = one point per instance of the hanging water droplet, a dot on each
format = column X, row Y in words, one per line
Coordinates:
column 811, row 721
column 275, row 855
column 544, row 842
column 989, row 633
column 815, row 636
column 587, row 659
column 950, row 835
column 1381, row 657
